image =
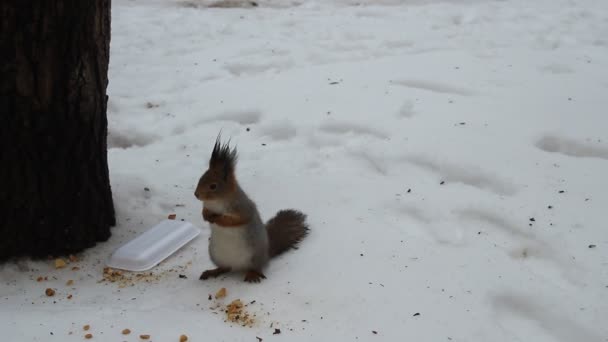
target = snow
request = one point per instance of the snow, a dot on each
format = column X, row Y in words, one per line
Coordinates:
column 420, row 137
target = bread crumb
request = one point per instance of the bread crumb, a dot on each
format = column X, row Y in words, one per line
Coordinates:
column 236, row 313
column 86, row 327
column 221, row 293
column 69, row 283
column 50, row 292
column 60, row 263
column 126, row 331
column 183, row 338
column 171, row 216
column 88, row 336
column 144, row 337
column 127, row 279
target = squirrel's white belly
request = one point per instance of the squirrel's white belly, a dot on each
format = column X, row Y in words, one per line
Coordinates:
column 229, row 247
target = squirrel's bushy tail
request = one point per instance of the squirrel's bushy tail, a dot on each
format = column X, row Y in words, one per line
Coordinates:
column 286, row 230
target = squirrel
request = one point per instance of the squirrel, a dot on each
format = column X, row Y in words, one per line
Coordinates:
column 240, row 241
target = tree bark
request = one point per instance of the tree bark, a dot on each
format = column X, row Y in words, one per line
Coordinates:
column 55, row 195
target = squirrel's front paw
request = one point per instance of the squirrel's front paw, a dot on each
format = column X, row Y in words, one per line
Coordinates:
column 210, row 216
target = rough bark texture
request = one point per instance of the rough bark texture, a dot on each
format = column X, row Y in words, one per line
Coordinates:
column 55, row 195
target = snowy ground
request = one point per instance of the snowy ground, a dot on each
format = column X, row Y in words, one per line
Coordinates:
column 452, row 157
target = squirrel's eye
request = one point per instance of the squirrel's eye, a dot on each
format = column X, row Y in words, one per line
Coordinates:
column 213, row 186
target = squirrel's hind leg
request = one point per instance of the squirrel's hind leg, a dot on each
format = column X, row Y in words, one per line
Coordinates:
column 253, row 276
column 214, row 273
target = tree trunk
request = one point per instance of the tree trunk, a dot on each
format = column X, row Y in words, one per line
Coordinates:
column 55, row 195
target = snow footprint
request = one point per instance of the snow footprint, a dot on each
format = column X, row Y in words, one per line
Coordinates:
column 469, row 175
column 435, row 87
column 243, row 117
column 283, row 130
column 432, row 224
column 371, row 160
column 523, row 244
column 343, row 128
column 240, row 68
column 496, row 221
column 553, row 321
column 406, row 110
column 572, row 148
column 127, row 138
column 556, row 69
column 219, row 4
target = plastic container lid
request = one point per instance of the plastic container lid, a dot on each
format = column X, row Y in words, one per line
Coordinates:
column 155, row 245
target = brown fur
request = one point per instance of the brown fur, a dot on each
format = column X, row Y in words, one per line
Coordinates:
column 219, row 181
column 231, row 220
column 213, row 273
column 285, row 231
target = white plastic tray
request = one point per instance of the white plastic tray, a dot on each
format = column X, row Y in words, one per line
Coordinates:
column 155, row 245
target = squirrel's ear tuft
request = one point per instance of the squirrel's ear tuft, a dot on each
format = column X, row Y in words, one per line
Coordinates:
column 223, row 158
